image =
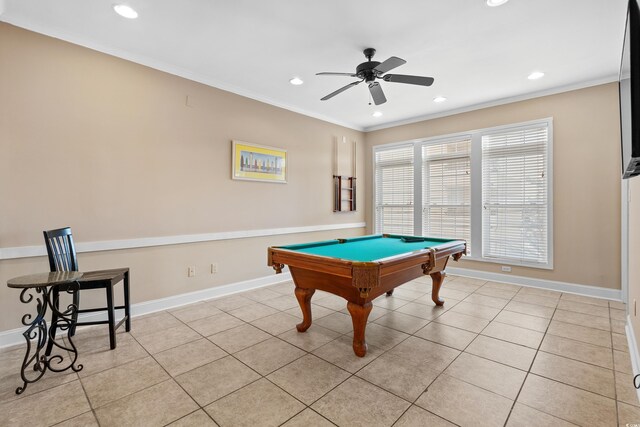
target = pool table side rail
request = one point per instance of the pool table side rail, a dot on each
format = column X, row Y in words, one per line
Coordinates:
column 449, row 247
column 279, row 257
column 432, row 239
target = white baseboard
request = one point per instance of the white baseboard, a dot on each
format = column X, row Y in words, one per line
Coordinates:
column 572, row 288
column 633, row 351
column 14, row 336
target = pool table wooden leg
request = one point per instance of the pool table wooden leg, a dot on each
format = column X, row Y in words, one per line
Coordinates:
column 304, row 299
column 437, row 279
column 359, row 316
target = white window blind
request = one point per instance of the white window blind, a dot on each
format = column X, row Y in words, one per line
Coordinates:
column 515, row 195
column 394, row 190
column 446, row 189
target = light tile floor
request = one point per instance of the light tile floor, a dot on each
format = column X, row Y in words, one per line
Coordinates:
column 495, row 355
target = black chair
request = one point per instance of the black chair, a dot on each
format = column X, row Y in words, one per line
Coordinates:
column 62, row 257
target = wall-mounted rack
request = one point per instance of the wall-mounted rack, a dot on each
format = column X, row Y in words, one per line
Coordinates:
column 344, row 190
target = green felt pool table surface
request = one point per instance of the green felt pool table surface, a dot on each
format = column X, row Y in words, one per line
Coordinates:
column 367, row 248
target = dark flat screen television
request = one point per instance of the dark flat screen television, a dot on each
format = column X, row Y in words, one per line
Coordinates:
column 630, row 93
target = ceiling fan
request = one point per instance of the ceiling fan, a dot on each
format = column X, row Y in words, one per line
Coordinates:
column 371, row 70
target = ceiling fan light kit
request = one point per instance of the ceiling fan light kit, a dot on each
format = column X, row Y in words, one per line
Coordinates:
column 370, row 70
column 536, row 75
column 125, row 11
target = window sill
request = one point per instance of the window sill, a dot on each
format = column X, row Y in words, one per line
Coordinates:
column 510, row 262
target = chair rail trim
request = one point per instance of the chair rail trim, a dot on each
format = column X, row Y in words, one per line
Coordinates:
column 145, row 242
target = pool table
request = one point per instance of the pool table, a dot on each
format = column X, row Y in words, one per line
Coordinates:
column 361, row 269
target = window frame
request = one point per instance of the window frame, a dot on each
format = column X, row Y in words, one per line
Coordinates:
column 420, row 179
column 388, row 147
column 476, row 185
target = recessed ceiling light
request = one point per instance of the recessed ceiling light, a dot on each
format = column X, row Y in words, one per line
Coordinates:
column 439, row 99
column 536, row 75
column 377, row 114
column 125, row 11
column 494, row 3
column 296, row 81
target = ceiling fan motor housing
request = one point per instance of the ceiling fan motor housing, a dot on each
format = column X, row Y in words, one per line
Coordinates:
column 365, row 70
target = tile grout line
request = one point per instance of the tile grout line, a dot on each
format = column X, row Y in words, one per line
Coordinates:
column 351, row 375
column 567, row 384
column 116, row 367
column 200, row 407
column 463, row 350
column 227, row 355
column 171, row 378
column 263, row 376
column 531, row 366
column 460, row 352
column 444, row 369
column 477, row 335
column 537, row 350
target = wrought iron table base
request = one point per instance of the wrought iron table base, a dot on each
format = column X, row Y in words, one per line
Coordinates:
column 34, row 360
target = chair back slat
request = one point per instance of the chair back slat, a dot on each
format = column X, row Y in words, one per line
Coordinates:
column 61, row 250
column 59, row 257
column 65, row 257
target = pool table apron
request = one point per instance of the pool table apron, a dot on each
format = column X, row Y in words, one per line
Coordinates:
column 359, row 282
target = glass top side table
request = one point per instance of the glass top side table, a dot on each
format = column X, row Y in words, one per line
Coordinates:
column 45, row 289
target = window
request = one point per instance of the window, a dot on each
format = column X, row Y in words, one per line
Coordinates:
column 446, row 189
column 394, row 190
column 490, row 187
column 514, row 195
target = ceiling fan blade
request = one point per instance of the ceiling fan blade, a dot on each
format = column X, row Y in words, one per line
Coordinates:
column 412, row 80
column 377, row 93
column 389, row 64
column 342, row 89
column 336, row 74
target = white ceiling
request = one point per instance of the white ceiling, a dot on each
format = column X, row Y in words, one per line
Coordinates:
column 477, row 54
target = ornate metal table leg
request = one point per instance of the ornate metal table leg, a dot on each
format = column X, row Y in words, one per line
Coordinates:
column 37, row 332
column 64, row 321
column 35, row 358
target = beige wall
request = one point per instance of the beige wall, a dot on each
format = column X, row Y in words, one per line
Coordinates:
column 586, row 177
column 111, row 149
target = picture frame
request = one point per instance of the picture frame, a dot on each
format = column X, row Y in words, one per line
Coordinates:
column 253, row 162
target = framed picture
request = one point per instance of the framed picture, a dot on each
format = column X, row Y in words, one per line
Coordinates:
column 259, row 163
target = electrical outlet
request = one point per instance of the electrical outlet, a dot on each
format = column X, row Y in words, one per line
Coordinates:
column 191, row 271
column 506, row 269
column 214, row 268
